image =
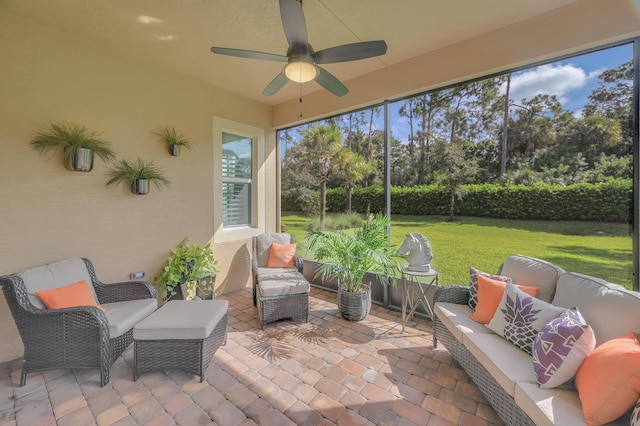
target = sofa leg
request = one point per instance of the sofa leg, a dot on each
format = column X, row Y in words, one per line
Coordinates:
column 23, row 377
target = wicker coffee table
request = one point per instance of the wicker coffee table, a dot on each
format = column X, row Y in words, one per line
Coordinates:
column 181, row 335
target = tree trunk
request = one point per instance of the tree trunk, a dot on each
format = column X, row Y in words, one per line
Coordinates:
column 323, row 200
column 453, row 200
column 349, row 191
column 505, row 127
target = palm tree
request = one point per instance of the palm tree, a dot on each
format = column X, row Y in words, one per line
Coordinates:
column 353, row 169
column 321, row 145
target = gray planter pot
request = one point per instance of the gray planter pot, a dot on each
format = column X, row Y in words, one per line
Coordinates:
column 140, row 186
column 354, row 306
column 79, row 160
column 174, row 150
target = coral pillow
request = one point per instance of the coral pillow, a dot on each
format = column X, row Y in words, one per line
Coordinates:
column 490, row 294
column 69, row 296
column 608, row 381
column 281, row 255
column 473, row 284
column 561, row 347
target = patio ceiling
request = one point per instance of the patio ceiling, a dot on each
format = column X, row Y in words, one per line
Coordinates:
column 177, row 35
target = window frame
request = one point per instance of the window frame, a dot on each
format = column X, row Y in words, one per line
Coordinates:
column 257, row 184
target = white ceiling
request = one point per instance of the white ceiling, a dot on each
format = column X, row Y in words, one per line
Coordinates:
column 177, row 34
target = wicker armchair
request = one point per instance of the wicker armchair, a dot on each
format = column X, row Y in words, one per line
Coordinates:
column 278, row 292
column 79, row 337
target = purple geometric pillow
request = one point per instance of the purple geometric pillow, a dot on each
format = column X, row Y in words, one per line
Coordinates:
column 635, row 415
column 561, row 347
column 473, row 284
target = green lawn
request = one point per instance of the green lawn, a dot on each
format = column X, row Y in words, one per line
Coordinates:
column 599, row 249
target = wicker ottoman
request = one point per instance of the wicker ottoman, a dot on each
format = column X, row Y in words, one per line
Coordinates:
column 282, row 295
column 181, row 335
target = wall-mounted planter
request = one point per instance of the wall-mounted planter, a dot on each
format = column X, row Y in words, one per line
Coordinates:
column 140, row 186
column 174, row 140
column 174, row 150
column 78, row 144
column 78, row 159
column 137, row 175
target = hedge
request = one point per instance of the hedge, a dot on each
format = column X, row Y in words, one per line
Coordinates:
column 610, row 201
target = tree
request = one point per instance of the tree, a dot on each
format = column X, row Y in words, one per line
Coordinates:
column 353, row 169
column 320, row 145
column 454, row 171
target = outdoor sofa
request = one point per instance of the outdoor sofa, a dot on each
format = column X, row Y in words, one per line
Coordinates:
column 505, row 374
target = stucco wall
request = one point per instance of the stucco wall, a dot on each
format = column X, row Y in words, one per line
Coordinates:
column 49, row 213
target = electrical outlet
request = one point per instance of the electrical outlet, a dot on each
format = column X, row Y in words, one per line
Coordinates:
column 137, row 275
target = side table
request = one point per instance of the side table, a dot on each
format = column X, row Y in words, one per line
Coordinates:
column 414, row 292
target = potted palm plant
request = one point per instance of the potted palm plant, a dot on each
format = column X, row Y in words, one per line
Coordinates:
column 78, row 144
column 174, row 140
column 137, row 175
column 190, row 265
column 348, row 256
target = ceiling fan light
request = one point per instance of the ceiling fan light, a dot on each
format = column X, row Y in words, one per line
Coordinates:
column 300, row 70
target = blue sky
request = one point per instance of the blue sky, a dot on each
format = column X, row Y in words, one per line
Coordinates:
column 571, row 80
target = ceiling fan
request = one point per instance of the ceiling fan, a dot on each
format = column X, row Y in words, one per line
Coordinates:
column 302, row 61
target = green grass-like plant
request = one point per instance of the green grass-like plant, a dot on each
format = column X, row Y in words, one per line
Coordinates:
column 70, row 136
column 171, row 137
column 128, row 172
column 349, row 255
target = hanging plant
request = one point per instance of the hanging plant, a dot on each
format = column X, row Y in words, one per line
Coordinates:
column 174, row 140
column 77, row 142
column 137, row 175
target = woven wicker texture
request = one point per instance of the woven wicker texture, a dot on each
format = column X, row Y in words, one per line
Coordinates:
column 192, row 356
column 275, row 308
column 354, row 306
column 70, row 337
column 500, row 400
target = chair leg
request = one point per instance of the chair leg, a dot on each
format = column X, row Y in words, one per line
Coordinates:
column 23, row 377
column 104, row 376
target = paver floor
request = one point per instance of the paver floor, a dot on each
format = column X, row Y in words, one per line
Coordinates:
column 329, row 371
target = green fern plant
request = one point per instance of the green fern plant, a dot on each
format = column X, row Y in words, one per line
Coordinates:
column 172, row 138
column 349, row 255
column 69, row 137
column 128, row 172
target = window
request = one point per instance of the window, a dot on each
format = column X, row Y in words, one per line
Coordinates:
column 239, row 197
column 237, row 180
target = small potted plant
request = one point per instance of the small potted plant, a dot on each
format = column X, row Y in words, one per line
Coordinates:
column 137, row 175
column 190, row 265
column 77, row 142
column 348, row 256
column 174, row 140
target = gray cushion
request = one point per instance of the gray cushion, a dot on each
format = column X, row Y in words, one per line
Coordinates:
column 55, row 275
column 609, row 309
column 263, row 245
column 123, row 316
column 548, row 407
column 275, row 271
column 533, row 272
column 456, row 318
column 291, row 282
column 182, row 319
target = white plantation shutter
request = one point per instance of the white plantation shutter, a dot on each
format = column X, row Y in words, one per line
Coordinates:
column 237, row 177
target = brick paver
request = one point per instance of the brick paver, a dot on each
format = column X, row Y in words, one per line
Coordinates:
column 326, row 372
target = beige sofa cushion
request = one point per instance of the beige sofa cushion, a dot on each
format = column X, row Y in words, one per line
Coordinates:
column 456, row 318
column 55, row 275
column 281, row 284
column 124, row 315
column 182, row 319
column 532, row 272
column 263, row 245
column 549, row 407
column 609, row 309
column 505, row 362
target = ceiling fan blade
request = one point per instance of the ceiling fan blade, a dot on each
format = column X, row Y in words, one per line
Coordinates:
column 275, row 85
column 350, row 52
column 329, row 82
column 250, row 54
column 295, row 27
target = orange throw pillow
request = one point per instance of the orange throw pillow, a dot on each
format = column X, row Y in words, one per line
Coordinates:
column 281, row 255
column 70, row 296
column 490, row 294
column 608, row 380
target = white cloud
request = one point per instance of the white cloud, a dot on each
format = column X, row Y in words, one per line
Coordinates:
column 550, row 80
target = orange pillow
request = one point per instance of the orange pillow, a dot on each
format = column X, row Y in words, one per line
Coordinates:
column 70, row 296
column 608, row 380
column 490, row 294
column 281, row 255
